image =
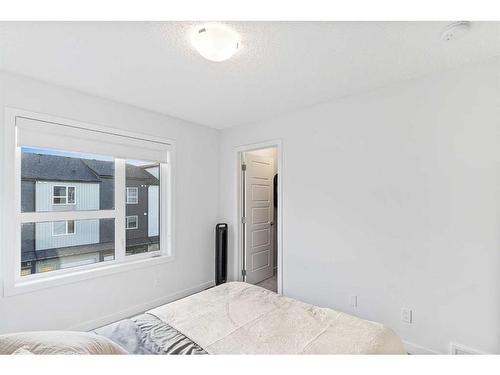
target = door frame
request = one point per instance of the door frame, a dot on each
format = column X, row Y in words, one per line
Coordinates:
column 278, row 144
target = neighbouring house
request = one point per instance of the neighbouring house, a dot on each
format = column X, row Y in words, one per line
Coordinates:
column 60, row 183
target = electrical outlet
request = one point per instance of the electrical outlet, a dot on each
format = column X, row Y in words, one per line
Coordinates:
column 156, row 281
column 353, row 301
column 406, row 315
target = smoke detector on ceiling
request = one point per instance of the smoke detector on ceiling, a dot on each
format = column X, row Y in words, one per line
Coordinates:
column 455, row 30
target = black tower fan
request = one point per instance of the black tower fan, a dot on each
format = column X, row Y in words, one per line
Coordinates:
column 220, row 253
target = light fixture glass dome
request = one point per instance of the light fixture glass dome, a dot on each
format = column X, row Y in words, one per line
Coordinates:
column 215, row 42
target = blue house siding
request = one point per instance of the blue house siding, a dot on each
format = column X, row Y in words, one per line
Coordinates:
column 86, row 232
column 86, row 194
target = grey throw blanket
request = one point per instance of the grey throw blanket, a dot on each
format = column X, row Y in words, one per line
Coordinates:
column 146, row 334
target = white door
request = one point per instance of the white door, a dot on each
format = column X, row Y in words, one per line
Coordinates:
column 259, row 215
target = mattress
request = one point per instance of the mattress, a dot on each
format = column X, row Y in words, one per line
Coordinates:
column 239, row 318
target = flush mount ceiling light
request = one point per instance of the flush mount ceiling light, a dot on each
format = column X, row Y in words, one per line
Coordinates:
column 455, row 30
column 215, row 42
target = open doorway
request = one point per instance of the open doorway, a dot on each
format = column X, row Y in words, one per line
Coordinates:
column 260, row 211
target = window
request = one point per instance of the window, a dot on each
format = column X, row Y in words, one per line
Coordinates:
column 71, row 213
column 62, row 228
column 57, row 234
column 132, row 195
column 63, row 194
column 131, row 222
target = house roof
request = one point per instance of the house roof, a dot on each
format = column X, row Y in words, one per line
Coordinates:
column 100, row 167
column 55, row 168
column 140, row 173
column 61, row 168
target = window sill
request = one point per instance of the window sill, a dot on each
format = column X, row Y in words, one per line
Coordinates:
column 82, row 274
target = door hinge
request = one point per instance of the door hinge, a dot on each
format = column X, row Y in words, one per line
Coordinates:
column 243, row 167
column 243, row 273
column 243, row 220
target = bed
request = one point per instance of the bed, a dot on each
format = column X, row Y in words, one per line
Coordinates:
column 240, row 318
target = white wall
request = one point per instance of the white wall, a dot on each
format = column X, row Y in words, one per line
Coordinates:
column 391, row 196
column 84, row 304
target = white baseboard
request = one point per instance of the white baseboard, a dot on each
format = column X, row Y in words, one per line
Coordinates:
column 412, row 348
column 138, row 309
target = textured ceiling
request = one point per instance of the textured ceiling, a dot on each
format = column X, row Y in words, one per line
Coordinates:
column 281, row 66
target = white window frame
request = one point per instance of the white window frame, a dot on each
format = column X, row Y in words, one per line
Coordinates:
column 136, row 189
column 13, row 282
column 66, row 225
column 63, row 196
column 136, row 222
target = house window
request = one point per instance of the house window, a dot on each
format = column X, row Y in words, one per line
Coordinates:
column 56, row 237
column 132, row 195
column 63, row 228
column 131, row 222
column 62, row 194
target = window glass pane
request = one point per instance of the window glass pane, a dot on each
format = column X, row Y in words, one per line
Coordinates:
column 131, row 222
column 71, row 194
column 132, row 195
column 59, row 228
column 92, row 241
column 59, row 191
column 143, row 188
column 71, row 227
column 66, row 181
column 59, row 200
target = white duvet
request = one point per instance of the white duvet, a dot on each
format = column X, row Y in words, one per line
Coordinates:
column 239, row 318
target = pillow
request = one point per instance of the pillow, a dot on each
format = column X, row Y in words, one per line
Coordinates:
column 58, row 342
column 23, row 350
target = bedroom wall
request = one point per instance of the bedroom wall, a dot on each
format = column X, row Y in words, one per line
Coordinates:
column 391, row 196
column 84, row 305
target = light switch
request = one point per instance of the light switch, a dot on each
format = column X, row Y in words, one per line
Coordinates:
column 353, row 301
column 406, row 315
